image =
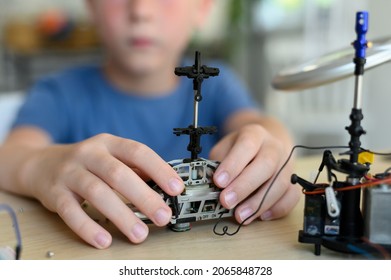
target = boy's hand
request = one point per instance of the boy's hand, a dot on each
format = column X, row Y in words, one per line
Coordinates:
column 63, row 176
column 250, row 157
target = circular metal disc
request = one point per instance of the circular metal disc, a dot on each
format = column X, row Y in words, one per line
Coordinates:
column 330, row 67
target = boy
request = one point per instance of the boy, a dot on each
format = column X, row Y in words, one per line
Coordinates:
column 94, row 132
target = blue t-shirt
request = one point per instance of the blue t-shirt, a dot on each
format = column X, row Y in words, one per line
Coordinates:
column 79, row 103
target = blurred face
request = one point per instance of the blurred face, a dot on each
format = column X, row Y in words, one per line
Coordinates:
column 145, row 36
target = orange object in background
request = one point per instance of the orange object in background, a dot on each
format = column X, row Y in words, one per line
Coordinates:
column 50, row 30
column 54, row 24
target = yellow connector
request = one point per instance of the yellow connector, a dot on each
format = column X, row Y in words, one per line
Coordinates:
column 366, row 157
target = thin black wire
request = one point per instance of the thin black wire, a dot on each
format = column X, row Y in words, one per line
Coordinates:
column 225, row 228
column 11, row 212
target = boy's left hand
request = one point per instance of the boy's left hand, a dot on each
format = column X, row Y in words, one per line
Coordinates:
column 250, row 158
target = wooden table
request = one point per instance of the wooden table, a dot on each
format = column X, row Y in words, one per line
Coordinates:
column 44, row 232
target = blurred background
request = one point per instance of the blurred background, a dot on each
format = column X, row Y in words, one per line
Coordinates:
column 257, row 38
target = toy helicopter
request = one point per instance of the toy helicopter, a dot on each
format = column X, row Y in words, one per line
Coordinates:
column 333, row 214
column 200, row 198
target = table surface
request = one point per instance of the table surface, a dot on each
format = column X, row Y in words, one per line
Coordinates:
column 43, row 232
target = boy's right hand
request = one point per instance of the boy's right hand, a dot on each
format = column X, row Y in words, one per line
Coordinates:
column 63, row 176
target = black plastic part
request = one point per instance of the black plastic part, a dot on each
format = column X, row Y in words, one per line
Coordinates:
column 198, row 73
column 18, row 250
column 195, row 134
column 359, row 66
column 355, row 130
column 316, row 240
column 175, row 206
column 308, row 186
column 186, row 220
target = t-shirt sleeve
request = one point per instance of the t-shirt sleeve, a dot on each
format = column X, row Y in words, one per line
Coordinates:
column 44, row 108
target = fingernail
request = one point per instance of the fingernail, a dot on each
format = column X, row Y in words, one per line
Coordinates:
column 102, row 239
column 231, row 198
column 139, row 231
column 245, row 213
column 222, row 179
column 175, row 185
column 162, row 216
column 266, row 216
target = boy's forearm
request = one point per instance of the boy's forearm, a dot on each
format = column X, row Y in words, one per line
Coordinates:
column 272, row 125
column 13, row 161
column 21, row 147
column 277, row 129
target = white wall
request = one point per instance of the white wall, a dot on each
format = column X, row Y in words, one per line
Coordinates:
column 377, row 108
column 329, row 128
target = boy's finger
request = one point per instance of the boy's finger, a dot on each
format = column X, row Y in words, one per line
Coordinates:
column 141, row 157
column 273, row 195
column 121, row 178
column 107, row 202
column 251, row 178
column 222, row 148
column 70, row 211
column 283, row 206
column 243, row 151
